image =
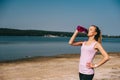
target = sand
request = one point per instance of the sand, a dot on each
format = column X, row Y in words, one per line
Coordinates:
column 62, row 67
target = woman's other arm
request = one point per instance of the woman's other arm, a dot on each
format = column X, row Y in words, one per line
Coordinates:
column 104, row 54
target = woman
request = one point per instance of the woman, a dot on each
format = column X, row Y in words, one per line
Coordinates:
column 88, row 50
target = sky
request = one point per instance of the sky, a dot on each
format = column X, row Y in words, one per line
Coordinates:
column 61, row 15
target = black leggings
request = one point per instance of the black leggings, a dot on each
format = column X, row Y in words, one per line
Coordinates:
column 85, row 76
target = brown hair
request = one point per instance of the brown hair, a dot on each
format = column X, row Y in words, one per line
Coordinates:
column 98, row 36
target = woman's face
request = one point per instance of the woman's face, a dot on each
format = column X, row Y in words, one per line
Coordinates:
column 91, row 31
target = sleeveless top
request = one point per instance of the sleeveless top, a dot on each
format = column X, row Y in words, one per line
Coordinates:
column 87, row 55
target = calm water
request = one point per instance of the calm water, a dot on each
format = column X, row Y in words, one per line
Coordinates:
column 16, row 47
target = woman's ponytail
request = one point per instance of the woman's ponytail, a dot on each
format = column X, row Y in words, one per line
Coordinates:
column 100, row 38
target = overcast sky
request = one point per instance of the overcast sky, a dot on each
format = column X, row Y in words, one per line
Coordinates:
column 61, row 15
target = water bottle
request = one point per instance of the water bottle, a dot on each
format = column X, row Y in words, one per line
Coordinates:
column 82, row 29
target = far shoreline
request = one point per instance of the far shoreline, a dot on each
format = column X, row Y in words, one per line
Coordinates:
column 44, row 33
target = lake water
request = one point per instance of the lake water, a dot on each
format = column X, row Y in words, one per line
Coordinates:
column 16, row 47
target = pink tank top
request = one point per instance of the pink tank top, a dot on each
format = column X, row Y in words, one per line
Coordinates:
column 87, row 55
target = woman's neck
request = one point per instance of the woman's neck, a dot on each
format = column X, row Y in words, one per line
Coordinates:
column 91, row 39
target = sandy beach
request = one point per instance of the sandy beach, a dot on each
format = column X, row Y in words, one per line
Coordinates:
column 62, row 67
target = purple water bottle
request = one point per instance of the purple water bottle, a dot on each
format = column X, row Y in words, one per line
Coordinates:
column 82, row 29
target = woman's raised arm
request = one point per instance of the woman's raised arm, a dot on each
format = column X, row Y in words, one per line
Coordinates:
column 72, row 42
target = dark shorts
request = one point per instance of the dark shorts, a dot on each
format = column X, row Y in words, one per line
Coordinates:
column 85, row 76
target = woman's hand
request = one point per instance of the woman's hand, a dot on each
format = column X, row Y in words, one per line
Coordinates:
column 91, row 65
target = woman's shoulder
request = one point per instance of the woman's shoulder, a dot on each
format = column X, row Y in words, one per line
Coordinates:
column 97, row 44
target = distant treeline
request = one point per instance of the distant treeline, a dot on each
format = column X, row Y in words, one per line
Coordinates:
column 18, row 32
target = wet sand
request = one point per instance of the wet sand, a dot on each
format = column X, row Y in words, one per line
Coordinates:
column 62, row 67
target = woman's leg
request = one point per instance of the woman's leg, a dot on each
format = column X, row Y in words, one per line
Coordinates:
column 85, row 76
